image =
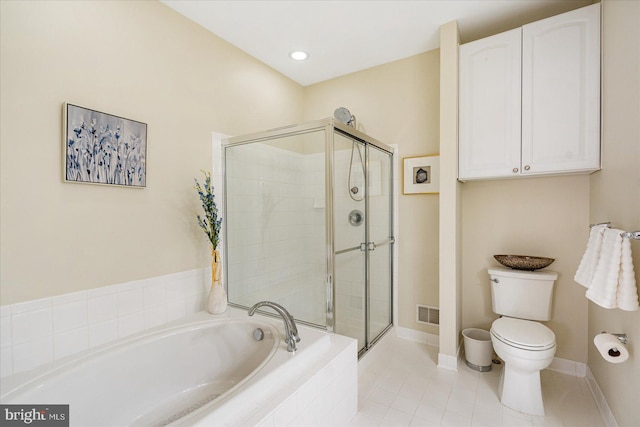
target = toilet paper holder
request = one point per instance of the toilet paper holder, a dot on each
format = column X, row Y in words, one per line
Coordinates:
column 621, row 337
column 604, row 342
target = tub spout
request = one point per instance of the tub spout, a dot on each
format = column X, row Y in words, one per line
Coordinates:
column 290, row 328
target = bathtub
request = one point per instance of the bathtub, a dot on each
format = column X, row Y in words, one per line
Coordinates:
column 203, row 370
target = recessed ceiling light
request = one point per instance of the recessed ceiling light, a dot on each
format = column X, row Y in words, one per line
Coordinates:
column 298, row 55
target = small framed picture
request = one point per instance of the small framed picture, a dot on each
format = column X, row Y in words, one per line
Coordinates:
column 421, row 175
column 100, row 148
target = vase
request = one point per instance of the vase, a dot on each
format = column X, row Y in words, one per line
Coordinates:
column 217, row 299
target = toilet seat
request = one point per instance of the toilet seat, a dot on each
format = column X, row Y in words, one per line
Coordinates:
column 523, row 334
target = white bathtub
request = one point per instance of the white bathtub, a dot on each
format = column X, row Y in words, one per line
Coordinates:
column 203, row 370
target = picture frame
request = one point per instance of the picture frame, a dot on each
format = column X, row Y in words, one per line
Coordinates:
column 104, row 149
column 421, row 175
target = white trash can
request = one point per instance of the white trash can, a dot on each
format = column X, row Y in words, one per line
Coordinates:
column 478, row 349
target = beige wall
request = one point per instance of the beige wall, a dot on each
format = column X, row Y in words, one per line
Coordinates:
column 398, row 103
column 117, row 57
column 59, row 238
column 530, row 216
column 615, row 197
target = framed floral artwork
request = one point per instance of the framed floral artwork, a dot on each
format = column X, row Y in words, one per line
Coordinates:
column 101, row 148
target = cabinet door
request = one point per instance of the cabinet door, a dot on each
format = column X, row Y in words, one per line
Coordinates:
column 489, row 107
column 561, row 93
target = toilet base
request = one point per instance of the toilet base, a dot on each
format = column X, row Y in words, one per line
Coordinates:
column 521, row 390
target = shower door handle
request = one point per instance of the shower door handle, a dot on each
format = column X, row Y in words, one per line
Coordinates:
column 364, row 247
column 385, row 242
column 355, row 248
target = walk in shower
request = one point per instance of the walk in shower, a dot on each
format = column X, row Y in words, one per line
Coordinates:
column 308, row 217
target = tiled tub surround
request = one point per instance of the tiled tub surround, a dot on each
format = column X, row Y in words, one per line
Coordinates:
column 38, row 332
column 315, row 386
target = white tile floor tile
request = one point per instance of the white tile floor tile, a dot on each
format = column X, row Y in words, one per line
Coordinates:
column 399, row 384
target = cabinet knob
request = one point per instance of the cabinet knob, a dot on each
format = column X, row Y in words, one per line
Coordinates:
column 515, row 170
column 527, row 167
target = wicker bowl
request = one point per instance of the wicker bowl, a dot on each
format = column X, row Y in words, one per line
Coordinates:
column 523, row 262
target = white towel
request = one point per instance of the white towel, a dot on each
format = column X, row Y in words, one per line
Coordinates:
column 613, row 279
column 627, row 290
column 587, row 267
column 604, row 286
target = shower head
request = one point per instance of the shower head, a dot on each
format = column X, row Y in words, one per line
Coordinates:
column 343, row 115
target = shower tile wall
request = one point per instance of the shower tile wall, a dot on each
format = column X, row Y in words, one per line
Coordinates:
column 276, row 237
column 276, row 233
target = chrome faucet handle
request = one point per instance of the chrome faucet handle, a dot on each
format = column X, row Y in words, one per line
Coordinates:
column 290, row 328
column 291, row 345
column 294, row 327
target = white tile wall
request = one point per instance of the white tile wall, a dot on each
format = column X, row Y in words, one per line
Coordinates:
column 38, row 332
column 277, row 237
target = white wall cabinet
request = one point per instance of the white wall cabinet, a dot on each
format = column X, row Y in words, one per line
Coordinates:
column 490, row 106
column 530, row 99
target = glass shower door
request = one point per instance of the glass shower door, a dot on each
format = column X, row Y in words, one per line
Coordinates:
column 380, row 242
column 362, row 227
column 350, row 237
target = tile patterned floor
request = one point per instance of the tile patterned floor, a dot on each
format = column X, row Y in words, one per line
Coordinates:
column 400, row 385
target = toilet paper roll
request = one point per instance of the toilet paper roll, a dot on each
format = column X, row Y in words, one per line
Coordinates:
column 611, row 349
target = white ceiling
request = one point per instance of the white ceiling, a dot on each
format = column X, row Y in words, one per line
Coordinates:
column 342, row 37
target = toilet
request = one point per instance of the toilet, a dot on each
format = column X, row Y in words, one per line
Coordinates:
column 522, row 298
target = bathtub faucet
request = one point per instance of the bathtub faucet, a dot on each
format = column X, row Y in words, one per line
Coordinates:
column 290, row 328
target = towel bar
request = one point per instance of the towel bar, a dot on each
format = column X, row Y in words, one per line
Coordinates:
column 635, row 235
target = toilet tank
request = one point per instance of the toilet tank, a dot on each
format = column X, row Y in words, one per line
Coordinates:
column 522, row 294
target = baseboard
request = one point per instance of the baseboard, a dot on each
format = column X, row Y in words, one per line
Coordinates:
column 569, row 367
column 564, row 366
column 601, row 402
column 418, row 336
column 446, row 361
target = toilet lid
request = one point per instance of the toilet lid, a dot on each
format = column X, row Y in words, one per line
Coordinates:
column 524, row 334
